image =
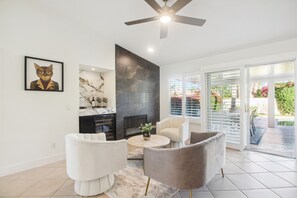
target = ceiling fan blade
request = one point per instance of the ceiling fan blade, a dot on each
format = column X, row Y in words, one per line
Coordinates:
column 188, row 20
column 154, row 5
column 141, row 21
column 164, row 30
column 179, row 4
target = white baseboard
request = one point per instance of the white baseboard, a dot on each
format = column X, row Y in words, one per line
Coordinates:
column 31, row 164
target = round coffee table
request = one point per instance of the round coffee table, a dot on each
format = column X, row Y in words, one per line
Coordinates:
column 155, row 141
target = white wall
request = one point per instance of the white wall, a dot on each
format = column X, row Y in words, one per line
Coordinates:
column 257, row 55
column 31, row 122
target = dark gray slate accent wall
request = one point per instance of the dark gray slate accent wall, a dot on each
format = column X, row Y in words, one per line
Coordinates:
column 137, row 88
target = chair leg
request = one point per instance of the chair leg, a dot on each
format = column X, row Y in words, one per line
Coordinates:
column 190, row 193
column 147, row 185
column 222, row 171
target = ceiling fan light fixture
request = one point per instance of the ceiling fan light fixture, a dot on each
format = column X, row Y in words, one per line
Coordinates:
column 165, row 19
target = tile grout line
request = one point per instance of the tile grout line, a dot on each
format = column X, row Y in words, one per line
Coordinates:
column 35, row 183
column 250, row 162
column 234, row 184
column 256, row 178
column 241, row 190
column 59, row 188
column 261, row 182
column 43, row 179
column 284, row 178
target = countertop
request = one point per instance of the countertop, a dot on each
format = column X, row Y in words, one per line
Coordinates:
column 96, row 111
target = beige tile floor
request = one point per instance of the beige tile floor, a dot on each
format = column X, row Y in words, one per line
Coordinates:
column 248, row 174
column 47, row 181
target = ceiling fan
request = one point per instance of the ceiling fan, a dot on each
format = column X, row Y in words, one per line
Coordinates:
column 167, row 14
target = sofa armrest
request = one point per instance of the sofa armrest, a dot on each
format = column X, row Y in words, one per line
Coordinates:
column 215, row 147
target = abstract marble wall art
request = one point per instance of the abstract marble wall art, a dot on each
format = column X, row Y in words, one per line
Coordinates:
column 91, row 85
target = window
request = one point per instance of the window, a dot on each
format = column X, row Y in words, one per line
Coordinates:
column 176, row 95
column 185, row 96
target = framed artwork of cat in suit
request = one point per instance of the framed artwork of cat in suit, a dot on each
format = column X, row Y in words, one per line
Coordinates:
column 43, row 75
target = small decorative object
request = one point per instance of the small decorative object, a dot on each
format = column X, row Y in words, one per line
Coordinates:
column 43, row 75
column 99, row 100
column 105, row 101
column 93, row 102
column 146, row 130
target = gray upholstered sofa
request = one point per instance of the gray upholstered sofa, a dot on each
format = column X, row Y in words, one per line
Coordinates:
column 188, row 167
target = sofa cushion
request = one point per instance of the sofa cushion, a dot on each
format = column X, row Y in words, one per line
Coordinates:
column 171, row 133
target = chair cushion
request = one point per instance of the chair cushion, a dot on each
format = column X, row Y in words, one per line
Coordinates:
column 171, row 133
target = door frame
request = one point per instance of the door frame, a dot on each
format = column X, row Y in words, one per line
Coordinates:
column 247, row 80
column 295, row 127
column 243, row 122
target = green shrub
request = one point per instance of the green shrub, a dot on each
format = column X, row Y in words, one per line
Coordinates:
column 259, row 94
column 285, row 123
column 227, row 91
column 284, row 94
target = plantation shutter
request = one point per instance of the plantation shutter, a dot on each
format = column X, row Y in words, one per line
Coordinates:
column 193, row 88
column 223, row 103
column 176, row 95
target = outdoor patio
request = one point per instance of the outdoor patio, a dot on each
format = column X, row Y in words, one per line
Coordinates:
column 279, row 140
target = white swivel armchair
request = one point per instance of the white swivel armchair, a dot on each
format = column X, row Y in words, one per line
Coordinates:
column 91, row 161
column 176, row 129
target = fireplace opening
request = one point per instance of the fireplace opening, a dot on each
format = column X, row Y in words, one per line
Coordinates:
column 132, row 123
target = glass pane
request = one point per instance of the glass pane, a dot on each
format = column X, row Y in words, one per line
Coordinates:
column 193, row 96
column 260, row 71
column 272, row 109
column 175, row 88
column 259, row 90
column 223, row 103
column 284, row 68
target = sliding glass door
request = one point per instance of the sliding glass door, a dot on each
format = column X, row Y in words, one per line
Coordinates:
column 254, row 106
column 271, row 99
column 223, row 101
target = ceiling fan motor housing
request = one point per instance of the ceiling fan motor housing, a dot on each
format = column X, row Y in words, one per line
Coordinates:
column 167, row 14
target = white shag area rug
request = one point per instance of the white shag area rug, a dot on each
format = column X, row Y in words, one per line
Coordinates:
column 131, row 183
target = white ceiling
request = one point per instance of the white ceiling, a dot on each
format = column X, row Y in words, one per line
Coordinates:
column 231, row 25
